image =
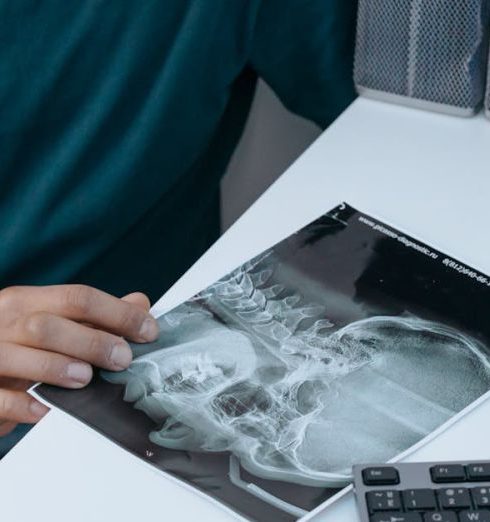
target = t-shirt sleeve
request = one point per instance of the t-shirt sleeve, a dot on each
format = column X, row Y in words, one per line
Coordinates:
column 304, row 50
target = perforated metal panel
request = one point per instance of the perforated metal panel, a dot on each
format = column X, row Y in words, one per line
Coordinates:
column 428, row 53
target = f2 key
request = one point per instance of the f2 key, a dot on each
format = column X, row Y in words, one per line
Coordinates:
column 478, row 472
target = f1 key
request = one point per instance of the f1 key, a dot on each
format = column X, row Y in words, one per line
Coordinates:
column 448, row 473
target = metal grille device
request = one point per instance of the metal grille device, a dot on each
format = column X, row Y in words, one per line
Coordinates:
column 425, row 53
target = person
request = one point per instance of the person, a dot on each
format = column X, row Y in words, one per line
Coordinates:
column 117, row 121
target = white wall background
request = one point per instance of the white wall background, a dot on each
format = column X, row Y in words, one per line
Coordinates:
column 273, row 139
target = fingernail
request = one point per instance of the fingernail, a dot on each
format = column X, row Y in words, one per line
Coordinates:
column 149, row 330
column 121, row 356
column 38, row 409
column 79, row 372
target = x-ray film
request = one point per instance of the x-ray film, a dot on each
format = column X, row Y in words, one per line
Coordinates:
column 347, row 342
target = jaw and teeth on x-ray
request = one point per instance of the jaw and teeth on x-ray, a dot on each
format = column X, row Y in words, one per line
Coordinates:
column 250, row 367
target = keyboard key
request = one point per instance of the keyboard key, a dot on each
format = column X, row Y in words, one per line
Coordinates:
column 481, row 497
column 454, row 498
column 381, row 476
column 474, row 516
column 478, row 472
column 396, row 517
column 419, row 499
column 448, row 473
column 383, row 501
column 441, row 516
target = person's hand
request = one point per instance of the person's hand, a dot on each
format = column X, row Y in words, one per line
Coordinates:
column 55, row 334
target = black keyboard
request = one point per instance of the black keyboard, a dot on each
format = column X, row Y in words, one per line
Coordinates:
column 423, row 492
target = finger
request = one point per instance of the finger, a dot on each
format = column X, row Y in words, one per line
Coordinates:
column 138, row 299
column 85, row 304
column 6, row 427
column 11, row 383
column 20, row 407
column 24, row 362
column 57, row 334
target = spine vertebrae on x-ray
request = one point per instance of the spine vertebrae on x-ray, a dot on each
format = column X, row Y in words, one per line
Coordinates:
column 264, row 310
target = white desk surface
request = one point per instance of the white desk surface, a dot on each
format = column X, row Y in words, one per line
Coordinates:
column 427, row 174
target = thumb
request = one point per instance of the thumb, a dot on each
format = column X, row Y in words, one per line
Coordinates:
column 138, row 299
column 6, row 427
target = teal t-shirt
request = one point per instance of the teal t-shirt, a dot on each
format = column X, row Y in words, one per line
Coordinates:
column 118, row 118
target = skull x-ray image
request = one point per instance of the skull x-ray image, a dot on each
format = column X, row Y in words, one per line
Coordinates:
column 338, row 346
column 268, row 377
